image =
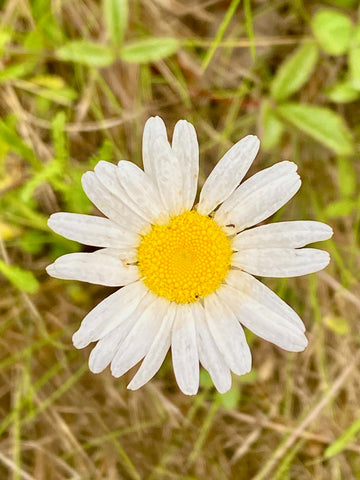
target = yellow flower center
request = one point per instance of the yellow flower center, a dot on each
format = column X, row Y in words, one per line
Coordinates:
column 185, row 259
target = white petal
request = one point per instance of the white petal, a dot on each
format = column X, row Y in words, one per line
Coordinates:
column 141, row 190
column 157, row 352
column 107, row 173
column 281, row 262
column 109, row 204
column 184, row 351
column 283, row 234
column 92, row 230
column 140, row 338
column 98, row 269
column 154, row 128
column 168, row 177
column 227, row 174
column 251, row 287
column 186, row 148
column 209, row 355
column 259, row 197
column 109, row 314
column 263, row 321
column 228, row 334
column 109, row 345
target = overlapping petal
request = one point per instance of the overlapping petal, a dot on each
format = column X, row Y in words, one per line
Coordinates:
column 227, row 174
column 184, row 350
column 259, row 197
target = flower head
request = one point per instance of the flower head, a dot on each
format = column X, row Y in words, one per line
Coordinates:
column 185, row 272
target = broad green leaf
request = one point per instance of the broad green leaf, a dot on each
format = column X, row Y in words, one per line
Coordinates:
column 295, row 71
column 116, row 18
column 354, row 67
column 346, row 176
column 333, row 31
column 344, row 439
column 340, row 208
column 86, row 53
column 320, row 123
column 342, row 92
column 149, row 49
column 22, row 279
column 272, row 126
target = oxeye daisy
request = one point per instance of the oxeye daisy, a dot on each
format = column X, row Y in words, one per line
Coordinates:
column 185, row 271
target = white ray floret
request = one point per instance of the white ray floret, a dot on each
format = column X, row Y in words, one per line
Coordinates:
column 165, row 256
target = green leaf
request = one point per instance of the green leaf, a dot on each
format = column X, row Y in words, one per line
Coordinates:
column 344, row 439
column 17, row 145
column 346, row 176
column 116, row 14
column 333, row 31
column 320, row 123
column 149, row 49
column 86, row 53
column 354, row 67
column 273, row 127
column 295, row 71
column 17, row 70
column 340, row 208
column 342, row 92
column 22, row 279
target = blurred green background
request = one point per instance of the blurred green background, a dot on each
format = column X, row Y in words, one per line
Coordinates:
column 78, row 79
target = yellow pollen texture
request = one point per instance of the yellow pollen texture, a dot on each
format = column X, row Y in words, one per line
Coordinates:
column 186, row 259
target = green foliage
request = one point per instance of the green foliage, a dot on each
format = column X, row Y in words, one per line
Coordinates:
column 22, row 279
column 272, row 126
column 320, row 123
column 340, row 208
column 354, row 66
column 87, row 53
column 346, row 176
column 149, row 49
column 230, row 399
column 333, row 31
column 116, row 18
column 342, row 92
column 295, row 71
column 9, row 135
column 344, row 439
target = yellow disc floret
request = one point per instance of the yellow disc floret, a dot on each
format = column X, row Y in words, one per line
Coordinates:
column 185, row 259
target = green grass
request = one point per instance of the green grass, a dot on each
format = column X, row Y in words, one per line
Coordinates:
column 78, row 79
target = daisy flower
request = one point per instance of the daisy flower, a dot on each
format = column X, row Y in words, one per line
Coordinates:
column 185, row 271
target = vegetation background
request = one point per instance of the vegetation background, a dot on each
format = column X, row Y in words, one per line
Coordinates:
column 78, row 79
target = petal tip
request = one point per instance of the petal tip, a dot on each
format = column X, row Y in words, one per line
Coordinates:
column 79, row 341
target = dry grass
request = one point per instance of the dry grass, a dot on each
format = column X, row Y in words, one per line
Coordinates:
column 57, row 420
